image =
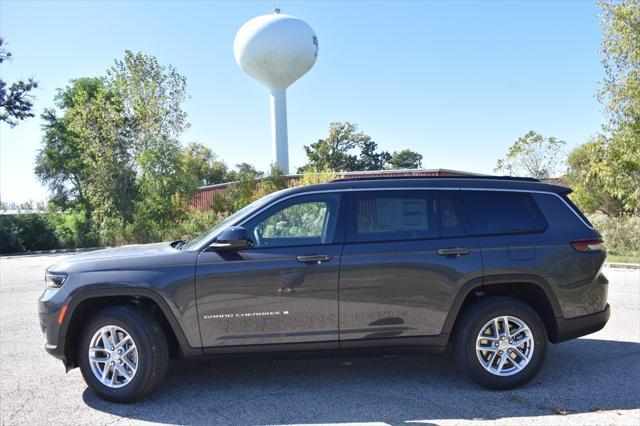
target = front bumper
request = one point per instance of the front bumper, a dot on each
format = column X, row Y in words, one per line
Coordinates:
column 567, row 329
column 49, row 306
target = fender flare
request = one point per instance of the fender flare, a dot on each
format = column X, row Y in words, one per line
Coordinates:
column 75, row 300
column 489, row 280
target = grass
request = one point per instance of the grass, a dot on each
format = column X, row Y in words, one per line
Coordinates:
column 623, row 258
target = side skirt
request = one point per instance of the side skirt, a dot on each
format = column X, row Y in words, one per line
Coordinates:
column 368, row 347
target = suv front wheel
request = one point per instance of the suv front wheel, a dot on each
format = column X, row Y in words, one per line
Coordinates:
column 123, row 353
column 501, row 344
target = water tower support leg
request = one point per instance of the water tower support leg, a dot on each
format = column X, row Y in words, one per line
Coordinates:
column 280, row 147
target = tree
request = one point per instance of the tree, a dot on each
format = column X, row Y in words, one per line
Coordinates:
column 242, row 192
column 533, row 155
column 152, row 96
column 405, row 159
column 370, row 158
column 620, row 169
column 274, row 181
column 610, row 166
column 204, row 165
column 113, row 149
column 620, row 89
column 82, row 156
column 16, row 100
column 314, row 177
column 588, row 189
column 339, row 151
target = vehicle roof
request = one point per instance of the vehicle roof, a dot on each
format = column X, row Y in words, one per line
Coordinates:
column 428, row 182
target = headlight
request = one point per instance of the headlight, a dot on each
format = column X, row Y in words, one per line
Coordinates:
column 55, row 280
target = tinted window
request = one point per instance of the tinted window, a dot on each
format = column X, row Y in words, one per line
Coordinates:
column 577, row 210
column 502, row 212
column 305, row 220
column 451, row 216
column 406, row 215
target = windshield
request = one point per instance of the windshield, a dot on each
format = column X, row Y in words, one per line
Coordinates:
column 215, row 229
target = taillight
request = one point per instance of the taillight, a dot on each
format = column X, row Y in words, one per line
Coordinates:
column 588, row 245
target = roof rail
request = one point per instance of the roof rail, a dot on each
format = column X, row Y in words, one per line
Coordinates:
column 507, row 178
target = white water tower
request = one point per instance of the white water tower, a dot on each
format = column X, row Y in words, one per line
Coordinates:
column 276, row 50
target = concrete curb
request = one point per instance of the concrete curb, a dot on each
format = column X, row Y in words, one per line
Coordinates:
column 57, row 251
column 622, row 265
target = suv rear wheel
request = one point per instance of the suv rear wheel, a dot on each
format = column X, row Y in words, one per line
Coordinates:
column 501, row 344
column 123, row 353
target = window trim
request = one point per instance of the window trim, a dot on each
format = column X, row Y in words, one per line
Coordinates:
column 241, row 221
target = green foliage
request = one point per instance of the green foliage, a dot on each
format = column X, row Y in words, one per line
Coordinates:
column 621, row 59
column 204, row 166
column 345, row 149
column 196, row 222
column 589, row 191
column 299, row 220
column 16, row 100
column 86, row 160
column 111, row 151
column 405, row 159
column 621, row 234
column 606, row 170
column 73, row 229
column 314, row 177
column 152, row 96
column 533, row 155
column 274, row 181
column 243, row 191
column 26, row 232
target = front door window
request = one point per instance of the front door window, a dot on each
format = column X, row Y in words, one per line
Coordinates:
column 307, row 220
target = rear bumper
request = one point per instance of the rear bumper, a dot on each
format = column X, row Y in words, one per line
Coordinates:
column 567, row 329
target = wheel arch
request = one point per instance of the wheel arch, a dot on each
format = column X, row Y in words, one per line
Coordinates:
column 530, row 289
column 82, row 306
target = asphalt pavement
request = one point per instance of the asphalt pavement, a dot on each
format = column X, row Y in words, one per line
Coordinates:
column 591, row 380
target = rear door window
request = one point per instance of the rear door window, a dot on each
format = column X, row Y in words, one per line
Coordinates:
column 503, row 212
column 395, row 215
column 406, row 215
column 451, row 214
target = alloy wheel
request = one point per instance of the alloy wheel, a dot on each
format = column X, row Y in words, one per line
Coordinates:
column 113, row 356
column 504, row 346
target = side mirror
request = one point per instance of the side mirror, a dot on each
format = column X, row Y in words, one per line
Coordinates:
column 234, row 237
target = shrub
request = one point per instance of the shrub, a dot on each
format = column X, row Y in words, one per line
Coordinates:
column 621, row 234
column 312, row 177
column 196, row 222
column 73, row 230
column 26, row 232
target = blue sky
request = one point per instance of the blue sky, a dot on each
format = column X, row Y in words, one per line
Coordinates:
column 458, row 82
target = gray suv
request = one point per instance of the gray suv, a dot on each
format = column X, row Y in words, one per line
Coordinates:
column 493, row 268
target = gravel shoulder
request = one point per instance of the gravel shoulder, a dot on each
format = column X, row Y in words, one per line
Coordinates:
column 591, row 380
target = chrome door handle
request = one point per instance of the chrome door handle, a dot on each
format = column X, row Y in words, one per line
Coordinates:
column 314, row 258
column 454, row 251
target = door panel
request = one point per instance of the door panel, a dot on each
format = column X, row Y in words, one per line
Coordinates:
column 406, row 258
column 283, row 288
column 265, row 296
column 394, row 289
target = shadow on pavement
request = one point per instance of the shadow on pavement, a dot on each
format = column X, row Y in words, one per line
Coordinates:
column 579, row 376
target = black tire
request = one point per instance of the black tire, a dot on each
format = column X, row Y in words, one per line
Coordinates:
column 151, row 344
column 469, row 327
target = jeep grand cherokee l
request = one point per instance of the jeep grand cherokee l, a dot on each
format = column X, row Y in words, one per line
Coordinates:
column 494, row 268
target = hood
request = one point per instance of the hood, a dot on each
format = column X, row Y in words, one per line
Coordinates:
column 114, row 256
column 124, row 251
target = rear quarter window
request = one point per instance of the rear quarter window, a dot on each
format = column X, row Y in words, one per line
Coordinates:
column 576, row 210
column 503, row 212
